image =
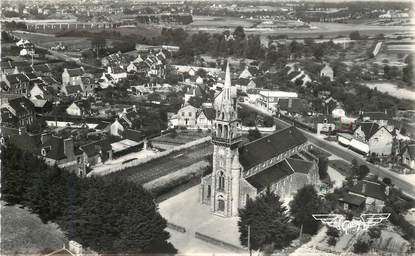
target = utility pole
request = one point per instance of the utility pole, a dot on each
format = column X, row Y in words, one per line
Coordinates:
column 249, row 240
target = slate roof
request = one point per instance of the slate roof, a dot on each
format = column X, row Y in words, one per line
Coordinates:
column 411, row 150
column 31, row 76
column 102, row 125
column 17, row 78
column 54, row 148
column 376, row 115
column 71, row 89
column 263, row 149
column 369, row 129
column 297, row 105
column 352, row 199
column 22, row 106
column 134, row 135
column 94, row 148
column 209, row 113
column 299, row 165
column 43, row 68
column 49, row 80
column 75, row 72
column 369, row 189
column 270, row 175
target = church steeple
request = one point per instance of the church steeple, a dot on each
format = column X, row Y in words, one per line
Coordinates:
column 226, row 123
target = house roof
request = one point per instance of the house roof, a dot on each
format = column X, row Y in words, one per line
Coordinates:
column 133, row 135
column 209, row 113
column 369, row 189
column 297, row 105
column 94, row 148
column 71, row 89
column 102, row 125
column 352, row 199
column 75, row 72
column 375, row 115
column 270, row 175
column 22, row 106
column 43, row 68
column 269, row 146
column 369, row 129
column 17, row 78
column 54, row 148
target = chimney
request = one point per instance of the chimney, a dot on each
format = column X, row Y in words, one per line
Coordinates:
column 68, row 147
column 75, row 248
column 290, row 103
column 364, row 187
column 44, row 137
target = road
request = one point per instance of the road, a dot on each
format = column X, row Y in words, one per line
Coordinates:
column 399, row 180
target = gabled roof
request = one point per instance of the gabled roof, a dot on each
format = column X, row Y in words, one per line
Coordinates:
column 43, row 68
column 209, row 113
column 71, row 89
column 54, row 148
column 265, row 148
column 369, row 129
column 270, row 175
column 22, row 106
column 369, row 189
column 94, row 148
column 352, row 199
column 75, row 72
column 375, row 115
column 17, row 78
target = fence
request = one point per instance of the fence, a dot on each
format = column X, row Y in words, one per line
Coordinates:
column 176, row 227
column 220, row 243
column 137, row 162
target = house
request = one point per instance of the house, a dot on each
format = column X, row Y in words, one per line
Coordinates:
column 87, row 85
column 240, row 173
column 381, row 118
column 408, row 156
column 117, row 72
column 352, row 202
column 269, row 99
column 140, row 90
column 14, row 86
column 127, row 119
column 79, row 108
column 187, row 116
column 106, row 81
column 193, row 92
column 373, row 192
column 42, row 70
column 6, row 68
column 72, row 90
column 19, row 111
column 328, row 72
column 72, row 76
column 115, row 59
column 27, row 52
column 293, row 106
column 204, row 118
column 96, row 152
column 324, row 124
column 370, row 138
column 245, row 73
column 73, row 249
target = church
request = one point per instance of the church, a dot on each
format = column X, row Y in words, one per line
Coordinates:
column 280, row 161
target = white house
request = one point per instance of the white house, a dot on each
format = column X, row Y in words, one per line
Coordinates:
column 378, row 139
column 269, row 99
column 245, row 73
column 327, row 71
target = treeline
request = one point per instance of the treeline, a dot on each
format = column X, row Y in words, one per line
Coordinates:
column 183, row 19
column 108, row 216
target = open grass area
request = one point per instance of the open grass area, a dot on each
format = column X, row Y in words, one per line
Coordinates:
column 341, row 166
column 23, row 233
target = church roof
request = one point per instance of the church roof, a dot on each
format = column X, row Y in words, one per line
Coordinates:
column 270, row 175
column 265, row 148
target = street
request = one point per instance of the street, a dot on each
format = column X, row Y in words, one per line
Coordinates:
column 406, row 186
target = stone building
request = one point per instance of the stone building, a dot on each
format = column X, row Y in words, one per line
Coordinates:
column 279, row 161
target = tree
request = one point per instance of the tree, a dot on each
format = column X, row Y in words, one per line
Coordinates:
column 268, row 221
column 387, row 181
column 374, row 233
column 195, row 101
column 254, row 134
column 362, row 171
column 332, row 241
column 305, row 203
column 239, row 32
column 98, row 44
column 323, row 163
column 333, row 232
column 269, row 121
column 361, row 247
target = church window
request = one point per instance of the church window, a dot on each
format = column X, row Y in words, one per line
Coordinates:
column 223, row 116
column 221, row 182
column 221, row 204
column 190, row 114
column 208, row 191
column 221, row 163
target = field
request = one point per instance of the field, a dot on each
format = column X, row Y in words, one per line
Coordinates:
column 165, row 165
column 46, row 40
column 23, row 233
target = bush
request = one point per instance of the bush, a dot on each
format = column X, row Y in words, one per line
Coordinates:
column 332, row 232
column 332, row 241
column 322, row 167
column 361, row 247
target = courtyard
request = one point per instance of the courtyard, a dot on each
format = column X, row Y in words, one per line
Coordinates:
column 184, row 210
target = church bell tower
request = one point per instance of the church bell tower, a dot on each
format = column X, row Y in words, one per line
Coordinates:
column 225, row 138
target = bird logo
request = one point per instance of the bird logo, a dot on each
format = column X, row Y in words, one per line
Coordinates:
column 339, row 222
